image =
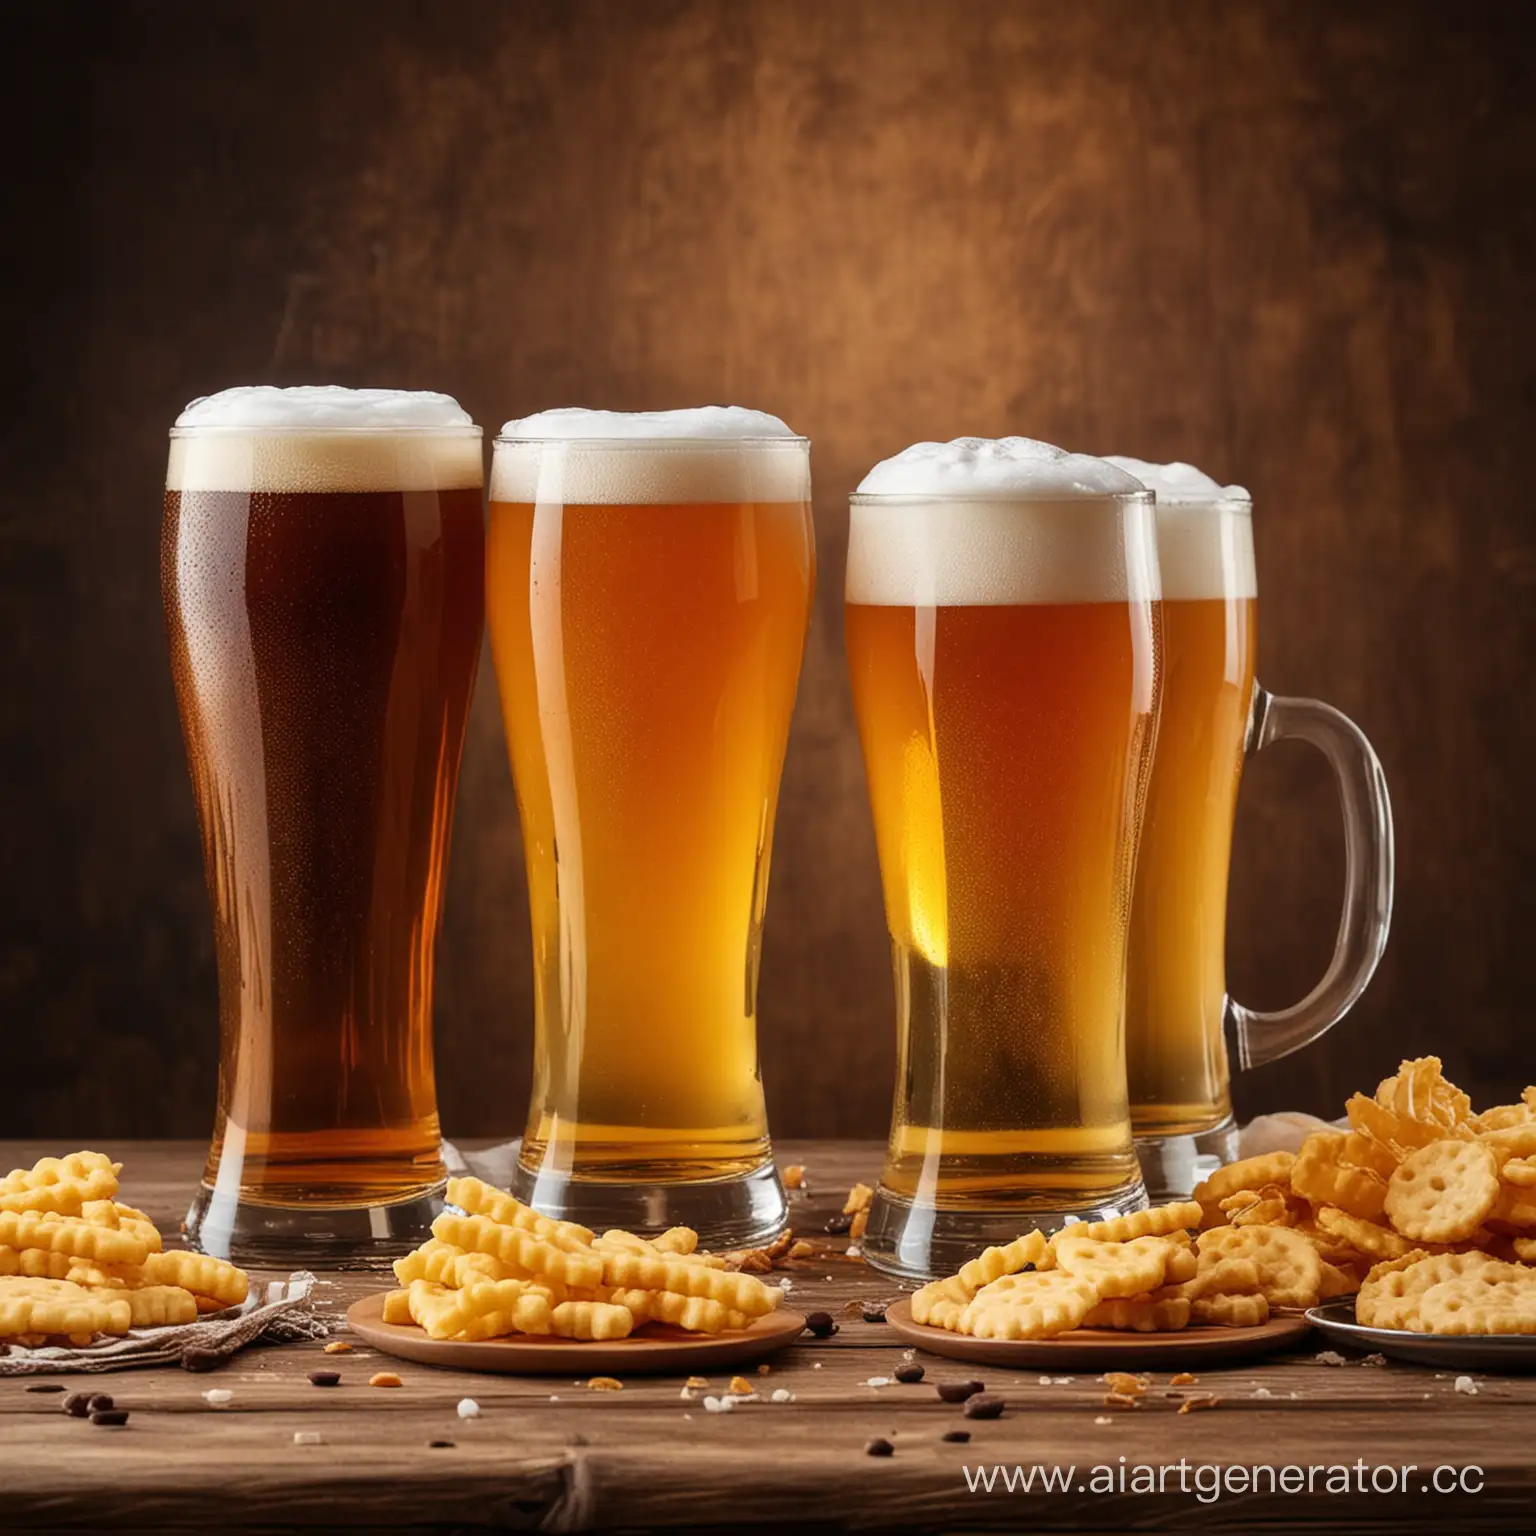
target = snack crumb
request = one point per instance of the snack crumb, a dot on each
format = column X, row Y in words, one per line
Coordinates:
column 1261, row 1392
column 853, row 1251
column 878, row 1381
column 605, row 1384
column 783, row 1395
column 1374, row 1360
column 468, row 1408
column 1184, row 1379
column 1123, row 1384
column 719, row 1404
column 217, row 1397
column 385, row 1379
column 1329, row 1357
column 308, row 1437
column 1198, row 1401
column 697, row 1381
column 1103, row 1418
column 794, row 1176
column 740, row 1387
column 1466, row 1386
column 338, row 1347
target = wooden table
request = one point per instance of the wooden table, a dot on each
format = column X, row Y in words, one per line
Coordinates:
column 548, row 1454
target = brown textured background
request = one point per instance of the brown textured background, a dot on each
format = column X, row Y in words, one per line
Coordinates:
column 1294, row 243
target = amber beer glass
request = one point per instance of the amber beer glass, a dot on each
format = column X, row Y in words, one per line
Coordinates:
column 1182, row 1028
column 322, row 563
column 1004, row 642
column 649, row 583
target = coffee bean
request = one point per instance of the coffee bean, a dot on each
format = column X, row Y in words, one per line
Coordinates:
column 439, row 1445
column 840, row 1224
column 111, row 1417
column 909, row 1370
column 873, row 1311
column 101, row 1403
column 821, row 1324
column 77, row 1405
column 47, row 1386
column 325, row 1378
column 958, row 1391
column 983, row 1406
column 879, row 1447
column 957, row 1436
column 200, row 1360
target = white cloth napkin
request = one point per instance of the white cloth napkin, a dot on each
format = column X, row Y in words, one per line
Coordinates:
column 279, row 1312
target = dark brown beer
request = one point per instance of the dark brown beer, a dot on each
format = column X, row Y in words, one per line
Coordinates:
column 324, row 646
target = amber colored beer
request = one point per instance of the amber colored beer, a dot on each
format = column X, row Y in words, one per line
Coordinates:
column 324, row 645
column 1004, row 670
column 1176, row 985
column 647, row 616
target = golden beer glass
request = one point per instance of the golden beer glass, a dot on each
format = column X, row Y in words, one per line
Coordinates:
column 322, row 562
column 1004, row 644
column 1182, row 1029
column 649, row 583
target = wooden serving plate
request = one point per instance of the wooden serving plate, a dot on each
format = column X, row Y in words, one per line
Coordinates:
column 1102, row 1349
column 656, row 1348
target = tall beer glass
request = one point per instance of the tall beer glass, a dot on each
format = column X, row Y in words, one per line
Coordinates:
column 322, row 563
column 649, row 585
column 1181, row 1025
column 1004, row 643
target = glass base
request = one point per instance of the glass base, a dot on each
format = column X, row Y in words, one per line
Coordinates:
column 922, row 1241
column 309, row 1237
column 739, row 1212
column 1173, row 1165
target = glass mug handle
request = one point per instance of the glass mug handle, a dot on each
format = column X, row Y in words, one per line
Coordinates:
column 1255, row 1038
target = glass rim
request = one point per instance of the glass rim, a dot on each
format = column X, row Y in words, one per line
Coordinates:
column 217, row 429
column 1000, row 499
column 1208, row 503
column 651, row 444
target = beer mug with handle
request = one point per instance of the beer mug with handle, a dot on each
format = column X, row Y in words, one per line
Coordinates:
column 1182, row 1027
column 1004, row 641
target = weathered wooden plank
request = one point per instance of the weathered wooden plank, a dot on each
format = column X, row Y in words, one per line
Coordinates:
column 548, row 1453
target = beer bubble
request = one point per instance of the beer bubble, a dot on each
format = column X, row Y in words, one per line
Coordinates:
column 324, row 438
column 984, row 521
column 1204, row 530
column 709, row 453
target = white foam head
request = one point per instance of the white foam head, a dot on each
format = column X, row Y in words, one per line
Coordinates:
column 711, row 453
column 1204, row 530
column 1177, row 483
column 1007, row 467
column 324, row 438
column 999, row 521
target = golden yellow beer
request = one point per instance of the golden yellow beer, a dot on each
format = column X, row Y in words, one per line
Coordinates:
column 1176, row 990
column 647, row 604
column 1004, row 656
column 1181, row 1022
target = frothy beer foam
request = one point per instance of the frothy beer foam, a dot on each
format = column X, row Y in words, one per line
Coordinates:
column 324, row 438
column 711, row 453
column 982, row 521
column 1204, row 530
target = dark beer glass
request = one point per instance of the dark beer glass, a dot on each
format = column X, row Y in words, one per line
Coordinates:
column 322, row 562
